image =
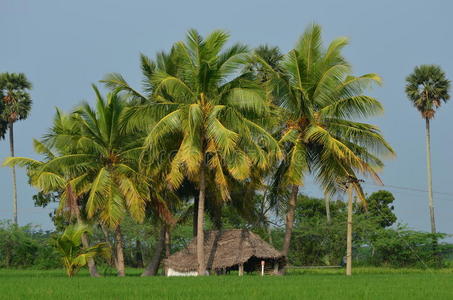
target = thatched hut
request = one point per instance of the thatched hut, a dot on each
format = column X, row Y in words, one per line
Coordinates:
column 227, row 250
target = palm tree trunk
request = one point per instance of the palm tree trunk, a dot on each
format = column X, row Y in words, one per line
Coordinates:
column 269, row 233
column 290, row 220
column 112, row 261
column 119, row 252
column 91, row 264
column 138, row 254
column 167, row 241
column 327, row 200
column 267, row 224
column 430, row 183
column 195, row 216
column 153, row 266
column 13, row 170
column 349, row 234
column 200, row 222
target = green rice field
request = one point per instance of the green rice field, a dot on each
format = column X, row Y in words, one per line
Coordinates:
column 366, row 283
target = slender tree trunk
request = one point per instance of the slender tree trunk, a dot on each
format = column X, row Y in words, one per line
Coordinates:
column 105, row 231
column 200, row 222
column 91, row 264
column 8, row 256
column 106, row 234
column 269, row 233
column 290, row 220
column 430, row 183
column 195, row 216
column 349, row 234
column 119, row 252
column 13, row 170
column 327, row 200
column 430, row 192
column 267, row 224
column 153, row 266
column 138, row 253
column 167, row 241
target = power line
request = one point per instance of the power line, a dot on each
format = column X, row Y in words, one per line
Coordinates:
column 404, row 188
column 408, row 189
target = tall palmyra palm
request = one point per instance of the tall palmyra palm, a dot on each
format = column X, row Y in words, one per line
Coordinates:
column 16, row 106
column 199, row 103
column 321, row 103
column 427, row 87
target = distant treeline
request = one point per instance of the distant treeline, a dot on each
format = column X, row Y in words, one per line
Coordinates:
column 316, row 242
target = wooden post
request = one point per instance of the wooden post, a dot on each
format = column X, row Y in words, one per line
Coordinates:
column 349, row 236
column 262, row 267
column 241, row 269
column 276, row 268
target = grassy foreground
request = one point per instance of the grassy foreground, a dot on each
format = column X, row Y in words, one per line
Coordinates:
column 307, row 284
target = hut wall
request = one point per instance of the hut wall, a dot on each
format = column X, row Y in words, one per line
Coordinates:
column 171, row 273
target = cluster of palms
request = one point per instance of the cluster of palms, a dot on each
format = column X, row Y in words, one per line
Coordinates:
column 214, row 119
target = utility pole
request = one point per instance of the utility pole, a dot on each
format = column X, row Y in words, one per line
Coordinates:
column 349, row 186
column 349, row 234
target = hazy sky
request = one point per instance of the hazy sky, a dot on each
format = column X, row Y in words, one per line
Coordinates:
column 64, row 46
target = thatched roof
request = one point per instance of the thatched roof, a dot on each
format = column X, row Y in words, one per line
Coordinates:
column 223, row 249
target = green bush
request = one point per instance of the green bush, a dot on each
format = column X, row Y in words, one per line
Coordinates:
column 402, row 247
column 316, row 243
column 25, row 247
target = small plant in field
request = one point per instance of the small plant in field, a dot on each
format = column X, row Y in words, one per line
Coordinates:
column 74, row 256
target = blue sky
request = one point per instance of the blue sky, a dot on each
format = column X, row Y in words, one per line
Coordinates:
column 64, row 46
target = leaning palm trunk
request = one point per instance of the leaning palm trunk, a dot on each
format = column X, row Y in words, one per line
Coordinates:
column 13, row 170
column 119, row 252
column 167, row 241
column 151, row 269
column 290, row 220
column 200, row 223
column 430, row 183
column 91, row 264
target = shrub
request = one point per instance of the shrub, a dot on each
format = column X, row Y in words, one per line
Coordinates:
column 26, row 246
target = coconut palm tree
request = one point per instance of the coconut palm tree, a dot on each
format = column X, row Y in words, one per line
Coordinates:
column 115, row 186
column 67, row 181
column 200, row 105
column 427, row 87
column 16, row 106
column 106, row 160
column 320, row 103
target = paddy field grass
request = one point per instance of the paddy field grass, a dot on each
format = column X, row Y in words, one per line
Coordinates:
column 366, row 283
